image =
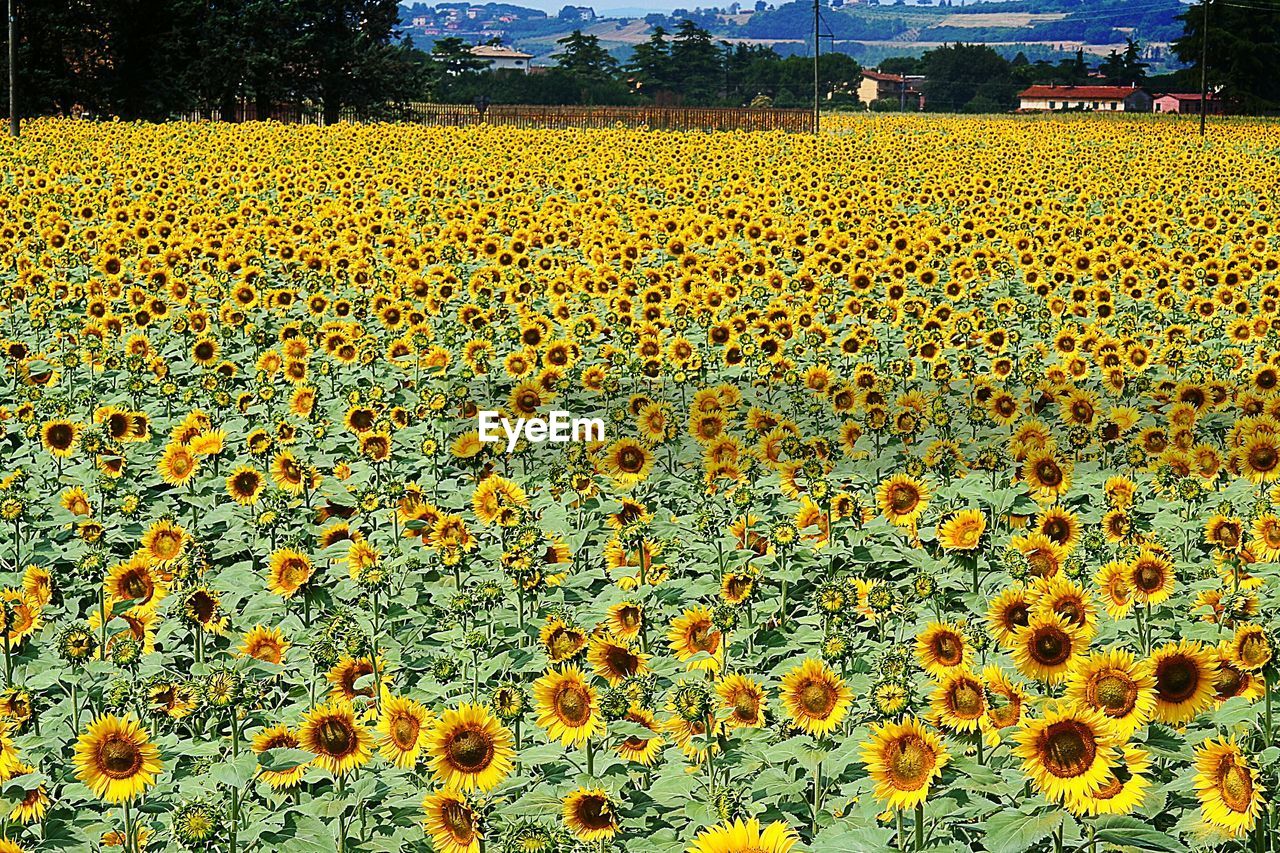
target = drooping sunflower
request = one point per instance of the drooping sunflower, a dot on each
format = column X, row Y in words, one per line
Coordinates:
column 1113, row 585
column 815, row 698
column 590, row 814
column 1006, row 702
column 695, row 640
column 746, row 837
column 625, row 620
column 34, row 803
column 1068, row 752
column 614, row 660
column 453, row 825
column 903, row 759
column 1230, row 680
column 1251, row 648
column 1046, row 648
column 499, row 501
column 942, row 647
column 567, row 706
column 1117, row 686
column 963, row 531
column 116, row 759
column 1184, row 676
column 402, row 727
column 641, row 749
column 745, row 700
column 279, row 737
column 346, row 674
column 902, row 499
column 339, row 740
column 1122, row 791
column 470, row 749
column 289, row 570
column 1227, row 786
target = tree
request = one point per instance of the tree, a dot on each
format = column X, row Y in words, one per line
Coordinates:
column 453, row 57
column 697, row 69
column 1243, row 52
column 349, row 57
column 583, row 57
column 967, row 78
column 651, row 62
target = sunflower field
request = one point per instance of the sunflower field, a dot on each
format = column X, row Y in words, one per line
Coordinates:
column 936, row 506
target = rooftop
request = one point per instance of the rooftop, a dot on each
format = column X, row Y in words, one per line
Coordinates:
column 1079, row 92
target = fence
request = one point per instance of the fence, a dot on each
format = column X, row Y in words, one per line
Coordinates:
column 459, row 115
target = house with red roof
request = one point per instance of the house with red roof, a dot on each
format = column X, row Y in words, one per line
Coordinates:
column 902, row 90
column 1184, row 102
column 1117, row 99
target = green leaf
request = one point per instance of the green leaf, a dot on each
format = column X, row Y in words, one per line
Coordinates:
column 1014, row 832
column 282, row 759
column 1125, row 831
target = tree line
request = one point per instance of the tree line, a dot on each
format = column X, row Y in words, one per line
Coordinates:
column 153, row 59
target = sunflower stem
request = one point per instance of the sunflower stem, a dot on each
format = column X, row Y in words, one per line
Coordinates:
column 817, row 795
column 920, row 826
column 591, row 758
column 1266, row 694
column 235, row 789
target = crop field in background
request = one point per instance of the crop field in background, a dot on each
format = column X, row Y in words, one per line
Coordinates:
column 936, row 508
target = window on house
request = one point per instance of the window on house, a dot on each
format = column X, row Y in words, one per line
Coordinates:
column 1053, row 105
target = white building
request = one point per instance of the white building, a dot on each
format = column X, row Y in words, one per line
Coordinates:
column 502, row 57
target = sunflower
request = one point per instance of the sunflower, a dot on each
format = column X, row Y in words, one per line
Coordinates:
column 627, row 462
column 287, row 473
column 942, row 647
column 567, row 706
column 745, row 699
column 903, row 759
column 135, row 580
column 1230, row 680
column 1047, row 477
column 614, row 660
column 1117, row 686
column 451, row 822
column 164, row 541
column 245, row 485
column 1251, row 648
column 590, row 814
column 1227, row 787
column 902, row 499
column 625, row 620
column 1067, row 753
column 695, row 641
column 1046, row 648
column 279, row 737
column 1008, row 613
column 20, row 617
column 59, row 438
column 340, row 742
column 561, row 641
column 177, row 465
column 640, row 749
column 403, row 727
column 1123, row 789
column 1113, row 584
column 265, row 644
column 959, row 701
column 1006, row 702
column 469, row 748
column 963, row 531
column 34, row 803
column 1184, row 676
column 116, row 759
column 288, row 572
column 745, row 837
column 816, row 698
column 499, row 501
column 1151, row 577
column 1066, row 598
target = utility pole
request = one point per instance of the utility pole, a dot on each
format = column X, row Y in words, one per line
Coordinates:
column 13, row 75
column 1204, row 67
column 817, row 49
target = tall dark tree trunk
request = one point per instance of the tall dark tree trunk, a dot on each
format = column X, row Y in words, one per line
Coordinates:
column 227, row 105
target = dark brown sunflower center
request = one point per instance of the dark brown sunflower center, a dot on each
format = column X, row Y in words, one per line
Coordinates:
column 335, row 737
column 1228, row 682
column 622, row 663
column 1263, row 458
column 470, row 750
column 903, row 498
column 817, row 699
column 593, row 813
column 119, row 757
column 1177, row 679
column 1051, row 647
column 136, row 585
column 457, row 819
column 404, row 730
column 574, row 705
column 1115, row 693
column 948, row 650
column 910, row 763
column 631, row 460
column 1236, row 786
column 1048, row 473
column 1068, row 749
